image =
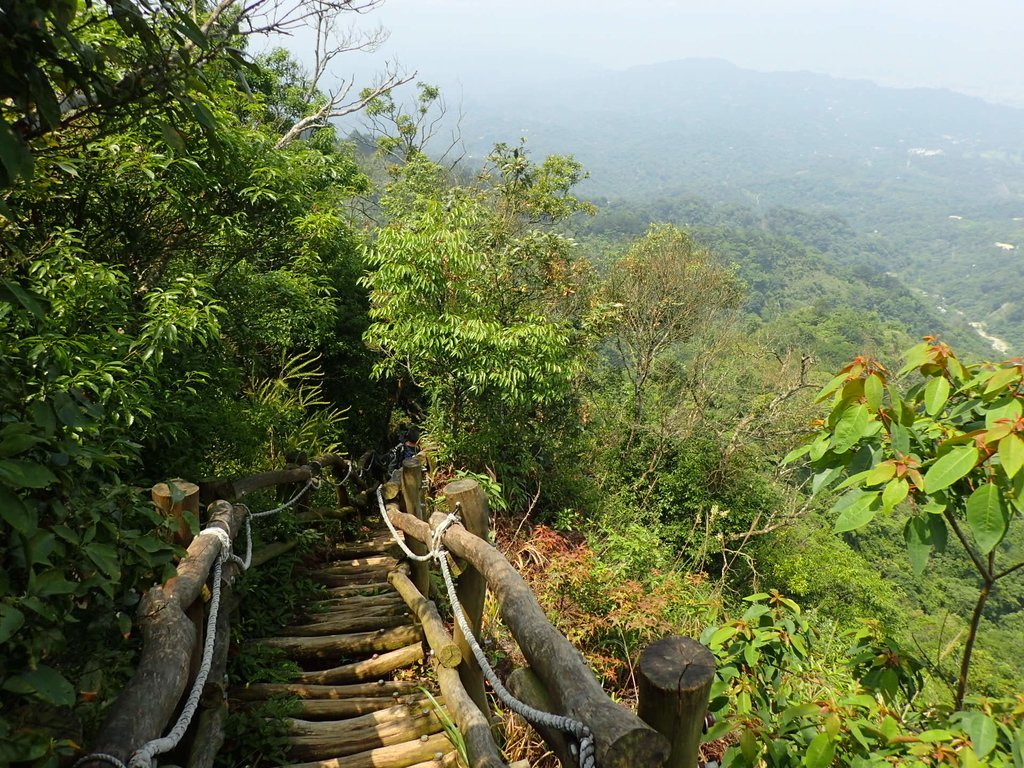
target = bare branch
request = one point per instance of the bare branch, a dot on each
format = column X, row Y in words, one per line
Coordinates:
column 337, row 107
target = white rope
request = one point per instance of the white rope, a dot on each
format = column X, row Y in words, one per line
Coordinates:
column 313, row 482
column 585, row 753
column 99, row 757
column 145, row 756
column 347, row 474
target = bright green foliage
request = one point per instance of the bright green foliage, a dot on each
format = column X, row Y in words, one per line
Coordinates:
column 173, row 292
column 790, row 703
column 487, row 314
column 945, row 453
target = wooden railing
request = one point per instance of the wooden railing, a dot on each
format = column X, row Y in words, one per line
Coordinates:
column 171, row 619
column 674, row 674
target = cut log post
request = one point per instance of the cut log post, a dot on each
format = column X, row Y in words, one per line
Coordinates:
column 445, row 650
column 527, row 687
column 412, row 504
column 174, row 499
column 623, row 740
column 368, row 669
column 469, row 499
column 674, row 682
column 397, row 756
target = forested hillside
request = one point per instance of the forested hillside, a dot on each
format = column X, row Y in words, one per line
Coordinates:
column 935, row 177
column 706, row 418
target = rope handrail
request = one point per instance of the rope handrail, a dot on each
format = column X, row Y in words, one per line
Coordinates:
column 584, row 748
column 145, row 755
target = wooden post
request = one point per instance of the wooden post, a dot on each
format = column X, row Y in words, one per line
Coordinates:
column 623, row 739
column 164, row 495
column 674, row 683
column 528, row 688
column 469, row 497
column 412, row 503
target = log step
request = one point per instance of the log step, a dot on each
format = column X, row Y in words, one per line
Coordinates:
column 344, row 709
column 378, row 589
column 411, row 753
column 377, row 546
column 309, row 739
column 376, row 578
column 362, row 564
column 368, row 669
column 330, row 611
column 346, row 624
column 380, row 688
column 339, row 646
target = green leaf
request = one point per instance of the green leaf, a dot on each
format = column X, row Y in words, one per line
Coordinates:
column 917, row 534
column 819, row 752
column 15, row 512
column 982, row 730
column 11, row 291
column 900, row 436
column 935, row 395
column 11, row 620
column 949, row 468
column 14, row 155
column 936, row 735
column 895, row 492
column 25, row 474
column 916, row 357
column 1011, row 453
column 1001, row 379
column 173, row 138
column 15, row 441
column 850, row 427
column 44, row 683
column 51, row 582
column 987, row 517
column 1018, row 748
column 105, row 558
column 938, row 532
column 882, row 473
column 191, row 30
column 854, row 510
column 873, row 389
column 1009, row 409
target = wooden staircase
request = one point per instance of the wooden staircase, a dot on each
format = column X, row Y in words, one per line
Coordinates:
column 362, row 696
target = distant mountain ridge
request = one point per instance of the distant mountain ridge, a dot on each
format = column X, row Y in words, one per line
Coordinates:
column 938, row 175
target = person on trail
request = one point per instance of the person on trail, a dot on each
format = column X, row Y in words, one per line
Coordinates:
column 407, row 449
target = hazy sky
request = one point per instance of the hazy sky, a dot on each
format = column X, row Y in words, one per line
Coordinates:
column 975, row 47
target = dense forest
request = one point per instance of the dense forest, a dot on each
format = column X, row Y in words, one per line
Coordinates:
column 697, row 415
